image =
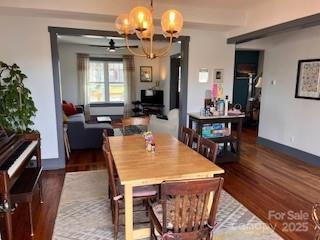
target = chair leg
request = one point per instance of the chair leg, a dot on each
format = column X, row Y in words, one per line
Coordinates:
column 116, row 221
column 112, row 210
column 30, row 218
column 151, row 230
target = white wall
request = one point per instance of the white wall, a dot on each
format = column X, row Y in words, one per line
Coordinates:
column 208, row 50
column 138, row 62
column 283, row 116
column 26, row 41
column 271, row 12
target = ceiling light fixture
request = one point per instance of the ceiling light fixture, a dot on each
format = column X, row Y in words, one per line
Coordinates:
column 140, row 21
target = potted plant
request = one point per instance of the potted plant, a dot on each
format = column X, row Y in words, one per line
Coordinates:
column 17, row 107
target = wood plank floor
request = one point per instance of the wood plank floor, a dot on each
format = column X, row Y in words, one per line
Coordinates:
column 263, row 181
column 268, row 182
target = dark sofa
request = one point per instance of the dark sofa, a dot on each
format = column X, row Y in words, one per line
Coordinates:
column 83, row 135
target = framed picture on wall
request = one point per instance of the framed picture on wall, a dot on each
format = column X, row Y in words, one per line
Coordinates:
column 308, row 79
column 145, row 74
column 218, row 76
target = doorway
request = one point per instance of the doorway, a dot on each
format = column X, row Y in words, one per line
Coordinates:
column 248, row 73
column 175, row 80
column 57, row 31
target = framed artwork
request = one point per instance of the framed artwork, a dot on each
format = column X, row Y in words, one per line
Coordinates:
column 218, row 76
column 145, row 74
column 308, row 79
column 203, row 75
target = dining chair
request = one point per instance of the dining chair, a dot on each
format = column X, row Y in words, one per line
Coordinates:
column 195, row 141
column 187, row 136
column 184, row 209
column 105, row 138
column 143, row 193
column 134, row 121
column 208, row 149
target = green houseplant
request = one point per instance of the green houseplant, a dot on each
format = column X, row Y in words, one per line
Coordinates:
column 16, row 105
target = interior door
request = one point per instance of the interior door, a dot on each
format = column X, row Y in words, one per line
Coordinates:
column 175, row 76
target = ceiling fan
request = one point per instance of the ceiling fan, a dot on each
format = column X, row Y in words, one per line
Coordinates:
column 112, row 46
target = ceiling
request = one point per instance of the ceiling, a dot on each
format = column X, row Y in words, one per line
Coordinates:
column 222, row 4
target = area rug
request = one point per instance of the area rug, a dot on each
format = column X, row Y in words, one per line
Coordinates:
column 84, row 213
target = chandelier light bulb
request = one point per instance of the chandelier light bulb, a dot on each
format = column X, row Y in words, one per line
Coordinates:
column 140, row 21
column 147, row 34
column 123, row 24
column 140, row 18
column 172, row 22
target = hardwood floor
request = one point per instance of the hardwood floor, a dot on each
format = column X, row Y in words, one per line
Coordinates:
column 263, row 181
column 85, row 160
column 270, row 183
column 43, row 214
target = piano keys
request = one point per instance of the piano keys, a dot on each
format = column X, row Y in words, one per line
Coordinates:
column 16, row 151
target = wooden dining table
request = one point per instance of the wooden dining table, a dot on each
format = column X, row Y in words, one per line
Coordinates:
column 172, row 160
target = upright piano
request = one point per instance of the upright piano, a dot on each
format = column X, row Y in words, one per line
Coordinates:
column 16, row 151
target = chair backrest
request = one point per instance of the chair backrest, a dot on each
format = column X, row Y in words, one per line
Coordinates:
column 191, row 201
column 111, row 171
column 106, row 142
column 208, row 149
column 195, row 141
column 135, row 121
column 187, row 136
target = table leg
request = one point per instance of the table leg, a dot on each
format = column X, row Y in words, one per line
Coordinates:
column 239, row 132
column 128, row 212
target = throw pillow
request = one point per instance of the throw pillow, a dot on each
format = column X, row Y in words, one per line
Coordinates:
column 69, row 109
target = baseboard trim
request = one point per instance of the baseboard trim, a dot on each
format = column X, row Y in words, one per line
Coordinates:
column 293, row 152
column 53, row 164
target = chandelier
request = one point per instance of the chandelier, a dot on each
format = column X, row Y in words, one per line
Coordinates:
column 140, row 22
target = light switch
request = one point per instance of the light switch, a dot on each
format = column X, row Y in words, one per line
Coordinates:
column 273, row 82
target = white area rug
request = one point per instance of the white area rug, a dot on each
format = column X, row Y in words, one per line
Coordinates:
column 84, row 213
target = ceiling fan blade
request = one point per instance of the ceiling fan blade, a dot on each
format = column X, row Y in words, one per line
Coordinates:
column 131, row 46
column 104, row 46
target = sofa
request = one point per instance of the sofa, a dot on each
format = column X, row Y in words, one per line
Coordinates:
column 83, row 135
column 170, row 125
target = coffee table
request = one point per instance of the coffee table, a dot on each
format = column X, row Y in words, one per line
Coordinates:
column 104, row 119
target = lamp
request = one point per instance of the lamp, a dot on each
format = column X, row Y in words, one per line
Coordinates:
column 259, row 83
column 140, row 22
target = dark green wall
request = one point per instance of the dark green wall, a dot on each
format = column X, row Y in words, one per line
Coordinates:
column 240, row 86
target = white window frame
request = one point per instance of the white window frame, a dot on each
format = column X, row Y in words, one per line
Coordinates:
column 106, row 82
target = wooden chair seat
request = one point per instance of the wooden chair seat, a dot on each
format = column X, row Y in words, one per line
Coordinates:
column 138, row 192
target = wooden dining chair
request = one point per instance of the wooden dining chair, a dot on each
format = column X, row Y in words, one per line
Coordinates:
column 183, row 212
column 134, row 121
column 143, row 193
column 105, row 138
column 195, row 141
column 208, row 149
column 187, row 136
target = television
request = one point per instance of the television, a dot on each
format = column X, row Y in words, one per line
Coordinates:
column 152, row 97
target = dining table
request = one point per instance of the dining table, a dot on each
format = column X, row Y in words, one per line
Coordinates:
column 171, row 160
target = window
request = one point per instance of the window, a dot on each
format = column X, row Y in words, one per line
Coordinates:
column 116, row 82
column 106, row 81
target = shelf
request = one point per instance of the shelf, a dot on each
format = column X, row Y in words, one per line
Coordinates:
column 225, row 139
